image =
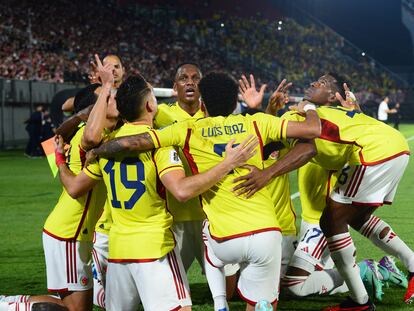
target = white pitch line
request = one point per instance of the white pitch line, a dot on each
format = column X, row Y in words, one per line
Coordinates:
column 297, row 194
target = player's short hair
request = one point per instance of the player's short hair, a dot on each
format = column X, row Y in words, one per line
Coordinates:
column 219, row 92
column 184, row 64
column 130, row 97
column 85, row 97
column 339, row 83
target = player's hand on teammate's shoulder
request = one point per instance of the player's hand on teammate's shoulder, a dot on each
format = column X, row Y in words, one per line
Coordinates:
column 252, row 182
column 252, row 97
column 279, row 98
column 237, row 156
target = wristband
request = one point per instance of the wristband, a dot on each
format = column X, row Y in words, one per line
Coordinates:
column 309, row 107
column 59, row 158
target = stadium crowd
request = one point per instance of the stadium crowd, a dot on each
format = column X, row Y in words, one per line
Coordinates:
column 36, row 43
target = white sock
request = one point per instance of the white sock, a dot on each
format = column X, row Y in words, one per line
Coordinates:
column 318, row 282
column 220, row 303
column 343, row 252
column 15, row 298
column 217, row 283
column 388, row 241
column 15, row 306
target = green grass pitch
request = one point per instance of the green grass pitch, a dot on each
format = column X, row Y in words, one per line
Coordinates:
column 28, row 193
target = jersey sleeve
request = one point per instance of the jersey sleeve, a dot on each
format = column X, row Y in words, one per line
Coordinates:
column 173, row 135
column 167, row 160
column 93, row 170
column 271, row 128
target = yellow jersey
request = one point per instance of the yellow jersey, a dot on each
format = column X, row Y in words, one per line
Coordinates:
column 105, row 221
column 315, row 184
column 373, row 142
column 75, row 219
column 280, row 192
column 203, row 143
column 168, row 114
column 141, row 225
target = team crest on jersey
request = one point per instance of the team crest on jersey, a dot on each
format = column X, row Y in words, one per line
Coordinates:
column 84, row 280
column 174, row 158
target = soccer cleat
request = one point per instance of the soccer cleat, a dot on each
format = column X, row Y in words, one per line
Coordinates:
column 409, row 295
column 350, row 305
column 370, row 277
column 391, row 273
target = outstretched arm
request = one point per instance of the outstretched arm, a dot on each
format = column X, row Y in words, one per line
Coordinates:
column 300, row 154
column 185, row 188
column 75, row 185
column 68, row 128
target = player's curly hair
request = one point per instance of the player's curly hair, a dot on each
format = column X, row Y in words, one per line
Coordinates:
column 219, row 92
column 85, row 97
column 130, row 97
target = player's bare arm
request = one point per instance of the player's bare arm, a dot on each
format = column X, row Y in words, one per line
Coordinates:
column 96, row 121
column 308, row 129
column 300, row 154
column 133, row 143
column 185, row 188
column 75, row 185
column 68, row 128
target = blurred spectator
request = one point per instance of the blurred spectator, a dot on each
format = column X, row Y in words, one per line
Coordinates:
column 34, row 126
column 55, row 41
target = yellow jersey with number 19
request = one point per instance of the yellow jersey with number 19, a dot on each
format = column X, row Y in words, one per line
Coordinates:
column 190, row 210
column 141, row 222
column 203, row 142
column 75, row 219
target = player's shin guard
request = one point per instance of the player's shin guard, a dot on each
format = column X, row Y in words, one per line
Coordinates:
column 382, row 235
column 343, row 252
column 319, row 282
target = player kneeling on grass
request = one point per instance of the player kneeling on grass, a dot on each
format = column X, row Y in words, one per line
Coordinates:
column 143, row 260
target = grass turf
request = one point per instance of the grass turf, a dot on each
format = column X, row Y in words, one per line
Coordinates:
column 28, row 193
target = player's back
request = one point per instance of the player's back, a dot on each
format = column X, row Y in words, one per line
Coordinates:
column 136, row 196
column 74, row 219
column 373, row 141
column 203, row 142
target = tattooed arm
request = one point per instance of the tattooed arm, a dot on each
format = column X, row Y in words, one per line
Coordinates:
column 134, row 143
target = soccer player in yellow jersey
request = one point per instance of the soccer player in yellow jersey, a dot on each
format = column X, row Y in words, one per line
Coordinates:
column 367, row 182
column 188, row 216
column 239, row 230
column 137, row 267
column 68, row 230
